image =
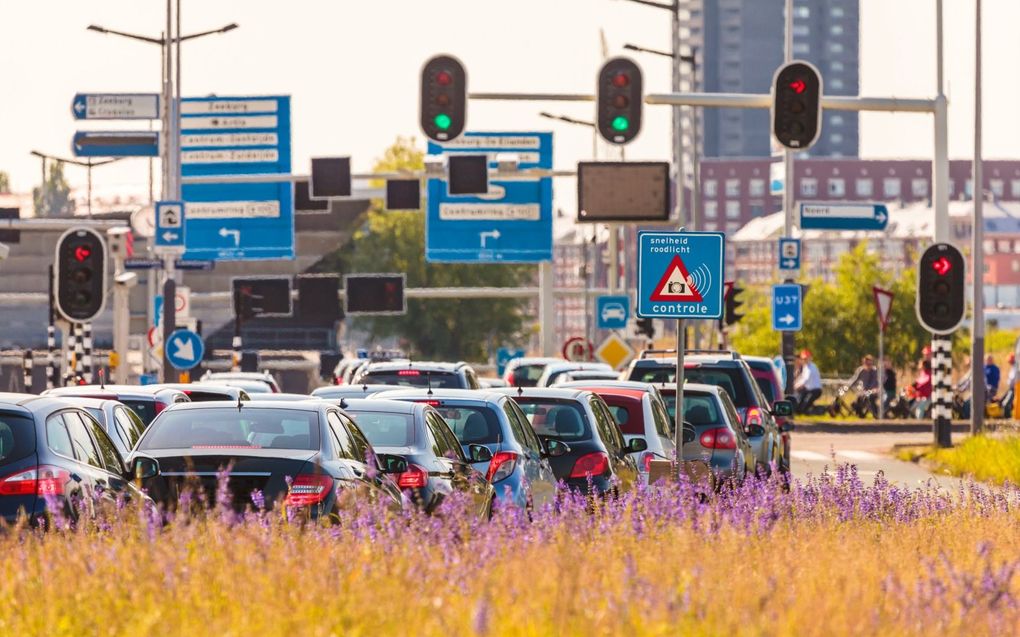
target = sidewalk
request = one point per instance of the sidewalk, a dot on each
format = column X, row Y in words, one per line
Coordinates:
column 870, row 425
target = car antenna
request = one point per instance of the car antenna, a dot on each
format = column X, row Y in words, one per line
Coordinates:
column 102, row 379
column 428, row 378
column 239, row 403
column 520, row 390
column 343, row 403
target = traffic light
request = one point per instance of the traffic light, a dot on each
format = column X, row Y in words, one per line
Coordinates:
column 262, row 296
column 80, row 273
column 443, row 98
column 940, row 289
column 797, row 105
column 732, row 303
column 374, row 294
column 620, row 100
column 645, row 326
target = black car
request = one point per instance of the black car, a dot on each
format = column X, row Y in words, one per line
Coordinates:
column 145, row 400
column 436, row 464
column 312, row 445
column 50, row 449
column 597, row 452
column 418, row 374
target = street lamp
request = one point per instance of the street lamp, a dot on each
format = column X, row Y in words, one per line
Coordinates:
column 89, row 163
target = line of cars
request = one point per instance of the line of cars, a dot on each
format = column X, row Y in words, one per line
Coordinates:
column 404, row 432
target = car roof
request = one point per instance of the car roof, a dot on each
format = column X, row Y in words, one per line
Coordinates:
column 581, row 366
column 620, row 392
column 343, row 389
column 260, row 376
column 384, row 406
column 609, row 383
column 491, row 394
column 690, row 387
column 425, row 365
column 30, row 403
column 144, row 391
column 295, row 405
column 264, row 397
column 761, row 360
column 232, row 390
column 534, row 360
column 542, row 392
column 89, row 403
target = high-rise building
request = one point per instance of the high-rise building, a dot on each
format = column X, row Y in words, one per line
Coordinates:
column 738, row 45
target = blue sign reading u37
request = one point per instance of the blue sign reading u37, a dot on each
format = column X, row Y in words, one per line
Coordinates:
column 786, row 308
column 680, row 275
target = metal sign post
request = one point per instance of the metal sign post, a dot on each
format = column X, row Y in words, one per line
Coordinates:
column 883, row 304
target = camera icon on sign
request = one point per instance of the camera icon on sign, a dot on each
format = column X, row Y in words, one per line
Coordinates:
column 675, row 287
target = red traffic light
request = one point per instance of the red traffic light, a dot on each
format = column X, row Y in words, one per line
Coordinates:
column 444, row 78
column 942, row 266
column 798, row 86
column 620, row 80
column 82, row 253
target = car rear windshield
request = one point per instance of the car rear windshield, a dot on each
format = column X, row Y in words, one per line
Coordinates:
column 701, row 409
column 235, row 429
column 528, row 375
column 17, row 438
column 560, row 419
column 413, row 378
column 730, row 378
column 385, row 429
column 472, row 425
column 146, row 409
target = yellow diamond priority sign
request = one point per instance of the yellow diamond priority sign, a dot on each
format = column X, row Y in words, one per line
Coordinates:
column 615, row 352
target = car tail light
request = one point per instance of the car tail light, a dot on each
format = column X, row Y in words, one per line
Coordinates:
column 719, row 438
column 414, row 478
column 501, row 466
column 754, row 417
column 646, row 461
column 308, row 489
column 592, row 464
column 431, row 403
column 42, row 481
column 160, row 406
column 409, row 372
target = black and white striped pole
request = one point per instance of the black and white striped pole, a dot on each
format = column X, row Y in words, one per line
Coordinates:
column 86, row 353
column 52, row 361
column 942, row 389
column 26, row 367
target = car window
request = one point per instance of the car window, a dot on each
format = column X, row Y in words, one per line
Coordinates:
column 515, row 425
column 528, row 375
column 146, row 409
column 472, row 425
column 766, row 389
column 663, row 423
column 530, row 438
column 604, row 423
column 552, row 418
column 627, row 415
column 107, row 450
column 84, row 449
column 132, row 424
column 385, row 429
column 341, row 440
column 730, row 411
column 214, row 427
column 450, row 437
column 442, row 446
column 358, row 440
column 411, row 378
column 701, row 409
column 57, row 438
column 731, row 379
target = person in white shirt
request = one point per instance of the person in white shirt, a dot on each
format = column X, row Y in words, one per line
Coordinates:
column 808, row 385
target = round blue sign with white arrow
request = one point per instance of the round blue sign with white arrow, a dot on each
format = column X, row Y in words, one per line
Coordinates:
column 185, row 349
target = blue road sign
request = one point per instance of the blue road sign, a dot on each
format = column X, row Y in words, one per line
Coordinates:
column 680, row 275
column 511, row 224
column 843, row 216
column 115, row 106
column 169, row 225
column 789, row 254
column 237, row 136
column 156, row 264
column 115, row 144
column 504, row 355
column 612, row 312
column 185, row 349
column 157, row 309
column 786, row 307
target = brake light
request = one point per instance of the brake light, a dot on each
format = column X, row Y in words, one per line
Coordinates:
column 160, row 406
column 646, row 461
column 308, row 489
column 719, row 438
column 592, row 464
column 414, row 478
column 501, row 466
column 754, row 417
column 431, row 403
column 42, row 481
column 409, row 372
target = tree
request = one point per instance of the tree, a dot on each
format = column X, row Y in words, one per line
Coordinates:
column 840, row 320
column 5, row 183
column 53, row 198
column 448, row 329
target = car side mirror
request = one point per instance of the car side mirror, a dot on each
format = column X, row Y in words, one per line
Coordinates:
column 389, row 463
column 782, row 408
column 145, row 467
column 479, row 453
column 689, row 433
column 635, row 445
column 754, row 431
column 555, row 448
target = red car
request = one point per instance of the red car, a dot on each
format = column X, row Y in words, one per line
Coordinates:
column 764, row 373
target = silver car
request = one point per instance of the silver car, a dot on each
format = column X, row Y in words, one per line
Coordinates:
column 719, row 438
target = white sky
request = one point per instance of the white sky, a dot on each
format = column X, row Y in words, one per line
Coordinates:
column 352, row 69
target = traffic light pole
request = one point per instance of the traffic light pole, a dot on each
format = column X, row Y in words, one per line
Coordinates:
column 978, row 397
column 789, row 344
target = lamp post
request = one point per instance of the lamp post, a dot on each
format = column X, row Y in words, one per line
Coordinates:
column 88, row 164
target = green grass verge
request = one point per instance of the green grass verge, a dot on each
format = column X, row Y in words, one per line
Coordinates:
column 989, row 458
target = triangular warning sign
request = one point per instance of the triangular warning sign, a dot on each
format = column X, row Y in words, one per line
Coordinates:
column 676, row 284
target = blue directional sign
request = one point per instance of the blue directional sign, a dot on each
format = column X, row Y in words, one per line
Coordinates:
column 115, row 144
column 185, row 349
column 237, row 136
column 843, row 216
column 504, row 355
column 115, row 106
column 510, row 224
column 789, row 254
column 612, row 312
column 680, row 275
column 786, row 307
column 169, row 225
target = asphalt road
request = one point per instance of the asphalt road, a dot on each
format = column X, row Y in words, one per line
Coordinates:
column 870, row 452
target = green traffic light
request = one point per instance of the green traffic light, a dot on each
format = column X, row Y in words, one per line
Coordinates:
column 620, row 123
column 442, row 121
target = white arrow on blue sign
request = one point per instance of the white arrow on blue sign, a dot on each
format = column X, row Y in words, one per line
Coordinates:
column 843, row 216
column 169, row 234
column 115, row 106
column 789, row 254
column 786, row 307
column 185, row 349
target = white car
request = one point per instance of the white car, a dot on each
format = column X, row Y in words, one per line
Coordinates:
column 614, row 311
